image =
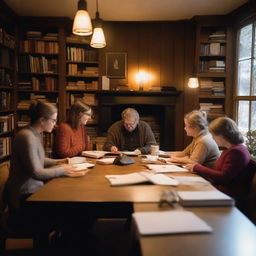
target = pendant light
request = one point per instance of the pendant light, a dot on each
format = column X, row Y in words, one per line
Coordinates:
column 82, row 25
column 98, row 38
column 193, row 82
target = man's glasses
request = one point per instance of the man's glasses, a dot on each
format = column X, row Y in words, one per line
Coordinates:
column 53, row 120
column 130, row 124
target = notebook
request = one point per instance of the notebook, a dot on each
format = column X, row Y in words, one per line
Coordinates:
column 83, row 166
column 204, row 198
column 169, row 222
column 76, row 160
column 141, row 177
column 162, row 168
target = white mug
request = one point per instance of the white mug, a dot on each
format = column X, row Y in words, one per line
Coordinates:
column 154, row 149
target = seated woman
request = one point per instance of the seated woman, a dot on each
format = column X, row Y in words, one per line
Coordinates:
column 30, row 169
column 71, row 137
column 202, row 149
column 230, row 170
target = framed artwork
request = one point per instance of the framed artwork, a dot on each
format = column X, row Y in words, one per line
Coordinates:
column 116, row 63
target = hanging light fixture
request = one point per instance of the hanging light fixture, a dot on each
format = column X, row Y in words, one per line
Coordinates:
column 98, row 38
column 193, row 82
column 82, row 25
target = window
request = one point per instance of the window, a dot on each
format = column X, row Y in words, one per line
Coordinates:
column 245, row 97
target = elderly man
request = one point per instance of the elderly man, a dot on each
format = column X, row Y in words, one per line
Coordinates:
column 130, row 134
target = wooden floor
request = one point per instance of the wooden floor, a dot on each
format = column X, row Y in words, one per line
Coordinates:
column 109, row 237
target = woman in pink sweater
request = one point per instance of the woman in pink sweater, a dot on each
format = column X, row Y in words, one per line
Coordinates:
column 71, row 137
column 230, row 173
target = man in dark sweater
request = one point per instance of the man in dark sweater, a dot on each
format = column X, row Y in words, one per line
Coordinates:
column 130, row 134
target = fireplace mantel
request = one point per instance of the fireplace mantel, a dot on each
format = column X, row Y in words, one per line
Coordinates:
column 163, row 103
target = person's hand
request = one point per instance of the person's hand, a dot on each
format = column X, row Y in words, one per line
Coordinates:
column 137, row 152
column 190, row 167
column 113, row 149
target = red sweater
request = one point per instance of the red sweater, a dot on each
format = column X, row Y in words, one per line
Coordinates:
column 70, row 142
column 230, row 170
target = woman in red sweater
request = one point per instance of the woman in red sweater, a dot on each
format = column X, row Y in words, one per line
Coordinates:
column 71, row 137
column 230, row 173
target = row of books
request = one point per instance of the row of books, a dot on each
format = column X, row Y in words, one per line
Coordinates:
column 31, row 64
column 212, row 66
column 43, row 47
column 7, row 39
column 5, row 77
column 5, row 146
column 210, row 87
column 5, row 100
column 82, row 85
column 212, row 110
column 212, row 49
column 44, row 84
column 217, row 35
column 88, row 98
column 81, row 54
column 75, row 69
column 6, row 123
column 37, row 35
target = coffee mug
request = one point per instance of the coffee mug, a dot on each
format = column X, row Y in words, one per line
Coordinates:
column 154, row 149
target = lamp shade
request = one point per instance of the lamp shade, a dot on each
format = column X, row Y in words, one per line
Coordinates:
column 193, row 82
column 82, row 25
column 98, row 38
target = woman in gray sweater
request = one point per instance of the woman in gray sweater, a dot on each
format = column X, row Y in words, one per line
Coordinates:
column 30, row 169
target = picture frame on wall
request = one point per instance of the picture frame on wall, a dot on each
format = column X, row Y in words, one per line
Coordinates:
column 116, row 64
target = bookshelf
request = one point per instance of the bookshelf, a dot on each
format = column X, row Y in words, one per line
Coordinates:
column 7, row 92
column 212, row 65
column 82, row 78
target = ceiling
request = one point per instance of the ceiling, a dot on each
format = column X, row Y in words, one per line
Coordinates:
column 127, row 10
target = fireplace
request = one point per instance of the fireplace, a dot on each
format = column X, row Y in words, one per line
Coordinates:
column 156, row 108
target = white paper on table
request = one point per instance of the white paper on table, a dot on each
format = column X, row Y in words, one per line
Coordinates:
column 162, row 168
column 160, row 179
column 83, row 166
column 108, row 160
column 169, row 222
column 76, row 160
column 126, row 179
column 188, row 180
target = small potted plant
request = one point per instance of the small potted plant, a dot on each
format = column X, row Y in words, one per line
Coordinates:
column 251, row 143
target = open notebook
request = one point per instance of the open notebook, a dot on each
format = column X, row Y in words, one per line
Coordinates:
column 141, row 177
column 169, row 222
column 162, row 168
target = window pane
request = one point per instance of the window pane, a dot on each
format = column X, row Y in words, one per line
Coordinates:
column 253, row 115
column 243, row 115
column 245, row 42
column 244, row 70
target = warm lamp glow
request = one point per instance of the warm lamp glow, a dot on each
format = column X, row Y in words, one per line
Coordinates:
column 82, row 25
column 142, row 77
column 193, row 82
column 98, row 38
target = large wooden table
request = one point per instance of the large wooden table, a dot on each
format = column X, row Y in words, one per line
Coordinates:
column 233, row 234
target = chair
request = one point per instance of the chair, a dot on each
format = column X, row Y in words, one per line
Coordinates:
column 40, row 239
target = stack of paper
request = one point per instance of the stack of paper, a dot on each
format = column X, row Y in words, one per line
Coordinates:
column 76, row 160
column 104, row 161
column 204, row 198
column 162, row 168
column 169, row 222
column 141, row 177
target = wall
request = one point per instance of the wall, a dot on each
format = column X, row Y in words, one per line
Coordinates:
column 165, row 50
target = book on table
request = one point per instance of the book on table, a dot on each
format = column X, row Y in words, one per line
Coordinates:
column 163, row 168
column 204, row 198
column 169, row 222
column 82, row 166
column 105, row 161
column 141, row 177
column 101, row 153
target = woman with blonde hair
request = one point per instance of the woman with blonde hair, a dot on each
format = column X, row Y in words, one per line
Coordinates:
column 230, row 170
column 71, row 137
column 202, row 149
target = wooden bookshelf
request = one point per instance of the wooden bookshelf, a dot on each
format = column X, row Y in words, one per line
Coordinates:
column 212, row 65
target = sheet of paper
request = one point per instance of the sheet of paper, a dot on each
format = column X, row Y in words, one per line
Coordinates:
column 126, row 179
column 108, row 160
column 83, row 166
column 77, row 160
column 169, row 222
column 188, row 180
column 94, row 154
column 128, row 153
column 162, row 168
column 160, row 179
